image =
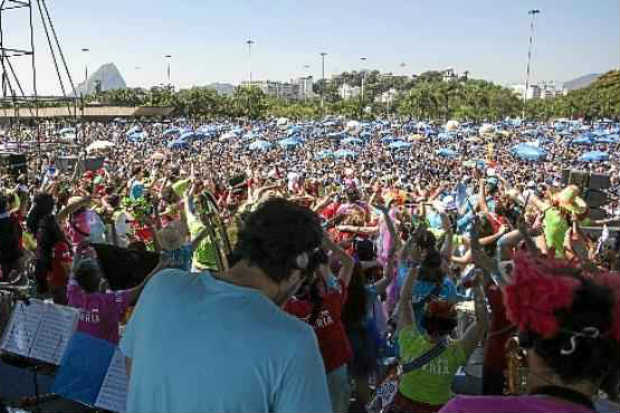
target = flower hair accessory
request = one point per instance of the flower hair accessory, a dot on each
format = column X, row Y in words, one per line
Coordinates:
column 536, row 293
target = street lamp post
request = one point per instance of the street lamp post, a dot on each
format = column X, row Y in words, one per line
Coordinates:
column 363, row 59
column 323, row 54
column 532, row 13
column 306, row 77
column 85, row 50
column 168, row 57
column 250, row 42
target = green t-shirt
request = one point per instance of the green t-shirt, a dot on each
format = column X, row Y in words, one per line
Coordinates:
column 205, row 254
column 179, row 187
column 432, row 383
column 555, row 227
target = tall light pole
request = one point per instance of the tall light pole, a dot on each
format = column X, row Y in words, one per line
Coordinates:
column 168, row 58
column 85, row 51
column 323, row 54
column 532, row 13
column 363, row 59
column 306, row 78
column 250, row 42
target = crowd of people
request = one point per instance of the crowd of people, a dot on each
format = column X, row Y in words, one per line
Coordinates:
column 340, row 255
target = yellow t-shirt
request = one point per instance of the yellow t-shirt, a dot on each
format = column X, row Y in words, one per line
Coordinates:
column 432, row 382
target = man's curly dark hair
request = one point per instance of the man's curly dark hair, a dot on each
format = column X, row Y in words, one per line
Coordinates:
column 274, row 235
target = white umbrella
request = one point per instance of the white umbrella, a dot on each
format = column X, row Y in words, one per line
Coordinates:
column 99, row 145
column 452, row 125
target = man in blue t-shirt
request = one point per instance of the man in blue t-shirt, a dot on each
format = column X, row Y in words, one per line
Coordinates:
column 220, row 342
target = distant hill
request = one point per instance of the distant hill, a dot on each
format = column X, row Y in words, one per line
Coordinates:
column 225, row 89
column 107, row 76
column 581, row 82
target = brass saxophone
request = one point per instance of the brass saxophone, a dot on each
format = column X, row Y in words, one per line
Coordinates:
column 516, row 374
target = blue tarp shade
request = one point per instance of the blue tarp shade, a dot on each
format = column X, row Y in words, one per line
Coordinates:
column 326, row 153
column 399, row 145
column 528, row 152
column 447, row 153
column 260, row 145
column 178, row 144
column 352, row 141
column 344, row 153
column 289, row 142
column 594, row 156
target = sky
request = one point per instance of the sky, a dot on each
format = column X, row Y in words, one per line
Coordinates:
column 206, row 39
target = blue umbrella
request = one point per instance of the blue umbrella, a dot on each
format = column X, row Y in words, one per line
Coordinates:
column 293, row 130
column 289, row 142
column 612, row 138
column 399, row 145
column 446, row 153
column 344, row 153
column 335, row 135
column 171, row 131
column 594, row 156
column 134, row 129
column 352, row 141
column 582, row 140
column 202, row 135
column 187, row 137
column 365, row 135
column 178, row 144
column 135, row 136
column 66, row 130
column 325, row 153
column 446, row 136
column 260, row 145
column 388, row 139
column 528, row 152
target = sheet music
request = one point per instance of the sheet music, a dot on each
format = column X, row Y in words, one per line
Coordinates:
column 55, row 330
column 22, row 327
column 113, row 393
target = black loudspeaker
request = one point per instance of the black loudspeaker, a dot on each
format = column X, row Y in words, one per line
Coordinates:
column 15, row 163
column 92, row 164
column 595, row 198
column 585, row 180
column 66, row 163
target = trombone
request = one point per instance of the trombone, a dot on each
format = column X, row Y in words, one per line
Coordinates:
column 217, row 231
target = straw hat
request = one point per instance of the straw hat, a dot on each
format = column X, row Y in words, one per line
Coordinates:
column 172, row 236
column 569, row 199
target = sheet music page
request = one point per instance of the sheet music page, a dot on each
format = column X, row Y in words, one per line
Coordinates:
column 113, row 393
column 22, row 328
column 57, row 326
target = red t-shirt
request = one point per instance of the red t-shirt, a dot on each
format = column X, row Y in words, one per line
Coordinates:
column 495, row 350
column 57, row 276
column 330, row 332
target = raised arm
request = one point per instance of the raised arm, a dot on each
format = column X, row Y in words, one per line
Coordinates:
column 476, row 332
column 406, row 314
column 346, row 261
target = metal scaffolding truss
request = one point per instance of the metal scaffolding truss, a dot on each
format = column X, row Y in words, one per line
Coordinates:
column 13, row 94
